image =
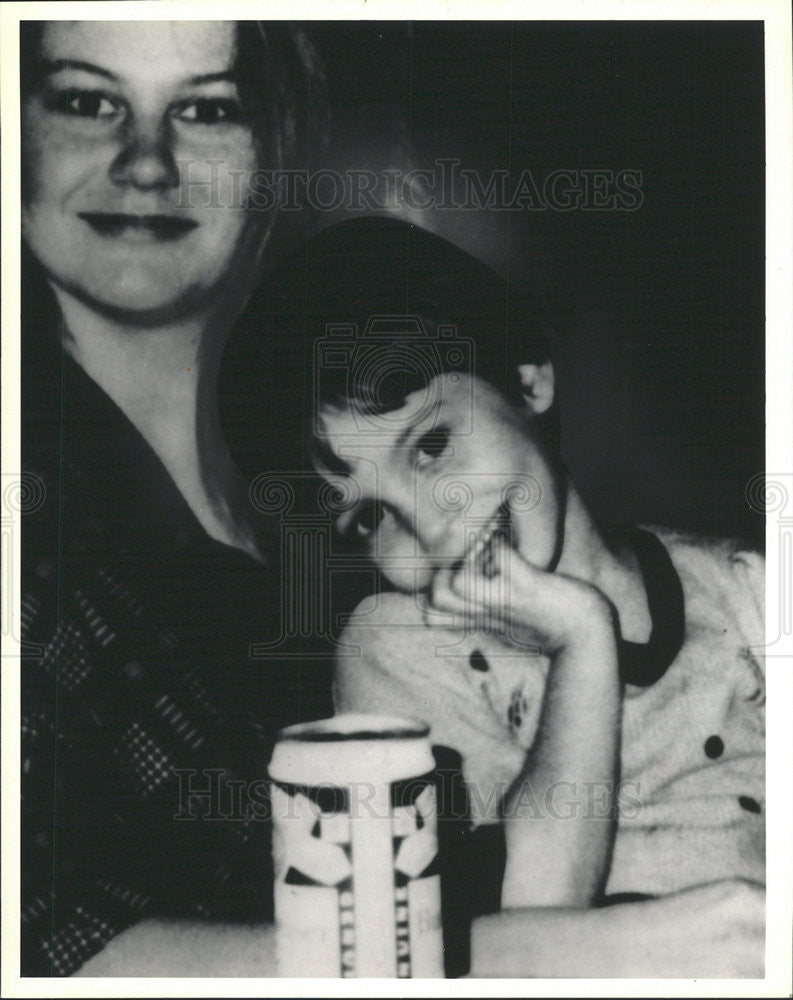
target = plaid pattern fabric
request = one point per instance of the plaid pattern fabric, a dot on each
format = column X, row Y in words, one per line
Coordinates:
column 146, row 726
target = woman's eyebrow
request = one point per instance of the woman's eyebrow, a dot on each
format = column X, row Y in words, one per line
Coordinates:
column 224, row 74
column 48, row 67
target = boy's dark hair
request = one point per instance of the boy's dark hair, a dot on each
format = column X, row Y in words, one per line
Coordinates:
column 371, row 311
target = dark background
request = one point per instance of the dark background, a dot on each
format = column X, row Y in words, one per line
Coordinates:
column 660, row 356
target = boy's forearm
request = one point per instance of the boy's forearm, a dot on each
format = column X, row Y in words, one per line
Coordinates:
column 712, row 931
column 544, row 942
column 716, row 930
column 559, row 814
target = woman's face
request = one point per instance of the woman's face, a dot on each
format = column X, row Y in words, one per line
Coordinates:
column 137, row 162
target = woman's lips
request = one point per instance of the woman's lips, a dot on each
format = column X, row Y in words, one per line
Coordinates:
column 139, row 228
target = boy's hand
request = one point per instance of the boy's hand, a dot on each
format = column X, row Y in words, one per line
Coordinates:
column 495, row 587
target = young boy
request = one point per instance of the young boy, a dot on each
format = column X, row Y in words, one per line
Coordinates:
column 584, row 675
column 599, row 685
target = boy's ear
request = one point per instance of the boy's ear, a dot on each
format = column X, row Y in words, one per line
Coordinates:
column 537, row 385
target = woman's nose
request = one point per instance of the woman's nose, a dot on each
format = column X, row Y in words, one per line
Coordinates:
column 146, row 160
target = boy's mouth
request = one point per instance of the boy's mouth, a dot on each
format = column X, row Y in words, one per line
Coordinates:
column 498, row 527
column 500, row 524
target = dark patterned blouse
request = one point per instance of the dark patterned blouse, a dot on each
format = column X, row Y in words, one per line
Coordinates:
column 147, row 723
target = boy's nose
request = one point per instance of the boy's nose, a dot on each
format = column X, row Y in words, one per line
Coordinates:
column 432, row 529
column 433, row 533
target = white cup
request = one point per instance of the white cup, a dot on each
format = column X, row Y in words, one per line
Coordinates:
column 357, row 891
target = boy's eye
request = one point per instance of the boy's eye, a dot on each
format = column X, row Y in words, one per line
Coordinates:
column 86, row 104
column 367, row 519
column 210, row 111
column 433, row 443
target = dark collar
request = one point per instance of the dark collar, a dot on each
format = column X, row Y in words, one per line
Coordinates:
column 643, row 663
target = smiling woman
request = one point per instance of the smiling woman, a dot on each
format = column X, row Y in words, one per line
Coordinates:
column 141, row 160
column 141, row 141
column 146, row 577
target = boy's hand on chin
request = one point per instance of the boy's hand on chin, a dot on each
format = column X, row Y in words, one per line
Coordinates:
column 494, row 587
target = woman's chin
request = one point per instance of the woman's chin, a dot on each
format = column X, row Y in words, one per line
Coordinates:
column 138, row 294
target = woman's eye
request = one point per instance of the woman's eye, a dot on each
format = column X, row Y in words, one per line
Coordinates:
column 87, row 104
column 433, row 443
column 210, row 111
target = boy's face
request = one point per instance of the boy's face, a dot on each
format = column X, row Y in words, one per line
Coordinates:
column 429, row 479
